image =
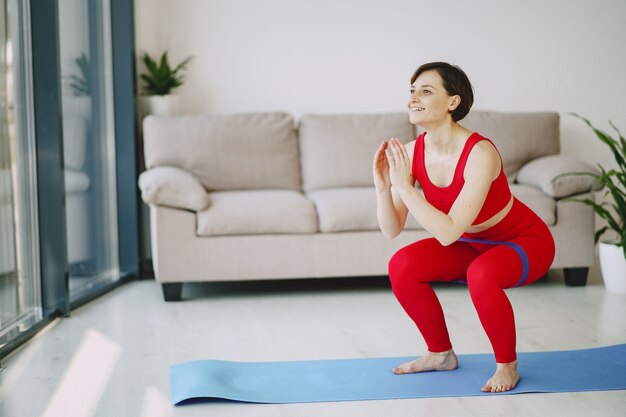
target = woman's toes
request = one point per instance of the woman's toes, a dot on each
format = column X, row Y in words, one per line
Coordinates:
column 400, row 370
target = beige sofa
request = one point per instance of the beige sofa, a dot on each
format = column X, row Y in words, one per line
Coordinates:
column 255, row 196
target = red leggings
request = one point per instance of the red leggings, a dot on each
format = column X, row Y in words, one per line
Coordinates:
column 516, row 251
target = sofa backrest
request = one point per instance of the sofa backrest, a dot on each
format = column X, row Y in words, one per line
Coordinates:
column 330, row 151
column 338, row 150
column 519, row 137
column 227, row 152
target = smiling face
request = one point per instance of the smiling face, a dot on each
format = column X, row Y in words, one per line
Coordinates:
column 429, row 101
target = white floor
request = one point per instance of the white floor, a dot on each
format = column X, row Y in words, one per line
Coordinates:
column 111, row 357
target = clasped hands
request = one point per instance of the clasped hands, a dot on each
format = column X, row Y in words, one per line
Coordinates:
column 392, row 166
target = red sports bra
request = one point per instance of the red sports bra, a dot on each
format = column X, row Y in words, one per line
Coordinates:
column 443, row 197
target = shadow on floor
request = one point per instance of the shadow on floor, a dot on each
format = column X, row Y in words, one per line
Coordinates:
column 197, row 290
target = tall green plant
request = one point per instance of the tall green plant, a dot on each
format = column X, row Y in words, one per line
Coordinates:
column 161, row 78
column 614, row 212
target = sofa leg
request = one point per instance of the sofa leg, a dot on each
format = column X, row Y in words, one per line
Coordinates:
column 575, row 277
column 172, row 291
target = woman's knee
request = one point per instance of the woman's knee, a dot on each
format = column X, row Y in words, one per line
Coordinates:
column 398, row 268
column 406, row 267
column 479, row 277
column 498, row 269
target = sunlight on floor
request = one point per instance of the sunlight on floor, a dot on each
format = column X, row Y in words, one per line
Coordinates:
column 155, row 403
column 86, row 377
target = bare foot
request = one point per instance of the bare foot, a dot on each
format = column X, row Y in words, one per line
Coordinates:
column 432, row 361
column 504, row 379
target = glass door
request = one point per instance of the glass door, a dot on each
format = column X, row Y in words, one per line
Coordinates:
column 88, row 144
column 20, row 296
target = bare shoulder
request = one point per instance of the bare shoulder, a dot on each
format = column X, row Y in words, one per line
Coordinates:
column 485, row 149
column 483, row 159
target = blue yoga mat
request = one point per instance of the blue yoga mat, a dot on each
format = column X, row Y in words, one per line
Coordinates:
column 598, row 369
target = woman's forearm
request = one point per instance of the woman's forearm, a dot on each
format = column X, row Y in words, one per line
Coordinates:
column 386, row 214
column 438, row 224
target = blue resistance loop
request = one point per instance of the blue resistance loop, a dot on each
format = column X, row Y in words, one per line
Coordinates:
column 517, row 248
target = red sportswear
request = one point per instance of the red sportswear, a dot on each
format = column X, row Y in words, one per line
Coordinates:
column 443, row 197
column 516, row 251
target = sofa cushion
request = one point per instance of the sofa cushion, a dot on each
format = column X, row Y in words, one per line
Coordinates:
column 173, row 187
column 541, row 172
column 227, row 152
column 519, row 137
column 350, row 209
column 354, row 208
column 338, row 150
column 257, row 212
column 540, row 203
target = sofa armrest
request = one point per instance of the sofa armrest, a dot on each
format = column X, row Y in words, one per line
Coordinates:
column 541, row 173
column 173, row 187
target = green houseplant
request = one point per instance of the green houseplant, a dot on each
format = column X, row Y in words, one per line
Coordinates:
column 612, row 208
column 159, row 80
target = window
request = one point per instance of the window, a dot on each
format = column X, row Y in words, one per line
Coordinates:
column 20, row 297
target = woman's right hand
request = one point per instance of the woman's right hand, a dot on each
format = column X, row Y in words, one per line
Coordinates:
column 382, row 180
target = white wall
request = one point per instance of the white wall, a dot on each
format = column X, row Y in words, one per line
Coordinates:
column 351, row 56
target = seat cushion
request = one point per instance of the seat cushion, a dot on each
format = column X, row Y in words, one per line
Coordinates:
column 354, row 208
column 338, row 150
column 537, row 201
column 257, row 212
column 227, row 152
column 350, row 209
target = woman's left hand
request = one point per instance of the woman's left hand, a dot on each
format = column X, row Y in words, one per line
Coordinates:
column 399, row 164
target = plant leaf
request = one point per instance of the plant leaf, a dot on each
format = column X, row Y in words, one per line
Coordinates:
column 621, row 137
column 160, row 78
column 599, row 233
column 608, row 140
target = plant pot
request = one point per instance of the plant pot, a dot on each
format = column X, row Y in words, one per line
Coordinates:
column 160, row 105
column 613, row 267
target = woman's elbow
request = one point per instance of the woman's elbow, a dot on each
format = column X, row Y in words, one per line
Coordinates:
column 448, row 239
column 391, row 235
column 445, row 241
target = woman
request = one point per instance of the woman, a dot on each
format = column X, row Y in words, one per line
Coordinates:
column 481, row 232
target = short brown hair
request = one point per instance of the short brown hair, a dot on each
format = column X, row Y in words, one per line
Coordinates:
column 455, row 82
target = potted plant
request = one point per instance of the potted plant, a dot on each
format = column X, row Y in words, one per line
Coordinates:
column 159, row 81
column 612, row 252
